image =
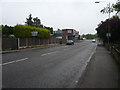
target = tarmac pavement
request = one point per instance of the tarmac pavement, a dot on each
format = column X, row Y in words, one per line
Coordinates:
column 101, row 72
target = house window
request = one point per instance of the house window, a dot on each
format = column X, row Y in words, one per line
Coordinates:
column 69, row 31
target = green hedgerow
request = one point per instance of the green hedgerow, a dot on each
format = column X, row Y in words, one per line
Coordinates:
column 23, row 31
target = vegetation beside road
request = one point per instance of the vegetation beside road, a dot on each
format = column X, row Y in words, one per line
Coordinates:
column 22, row 31
column 36, row 22
column 109, row 30
column 89, row 36
column 111, row 26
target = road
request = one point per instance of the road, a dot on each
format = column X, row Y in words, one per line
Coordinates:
column 56, row 67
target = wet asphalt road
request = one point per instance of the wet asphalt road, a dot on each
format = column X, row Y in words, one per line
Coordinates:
column 56, row 67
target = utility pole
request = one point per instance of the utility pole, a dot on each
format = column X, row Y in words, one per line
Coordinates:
column 108, row 34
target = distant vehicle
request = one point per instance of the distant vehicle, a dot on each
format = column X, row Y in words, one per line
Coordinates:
column 70, row 42
column 100, row 44
column 84, row 38
column 93, row 40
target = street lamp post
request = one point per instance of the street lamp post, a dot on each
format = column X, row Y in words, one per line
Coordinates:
column 108, row 35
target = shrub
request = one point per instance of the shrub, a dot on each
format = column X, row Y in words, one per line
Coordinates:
column 22, row 31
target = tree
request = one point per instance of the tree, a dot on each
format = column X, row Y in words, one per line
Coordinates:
column 89, row 36
column 49, row 28
column 114, row 24
column 109, row 9
column 29, row 21
column 111, row 25
column 7, row 30
column 37, row 22
column 117, row 6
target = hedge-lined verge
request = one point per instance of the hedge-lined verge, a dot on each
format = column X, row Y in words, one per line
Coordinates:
column 23, row 31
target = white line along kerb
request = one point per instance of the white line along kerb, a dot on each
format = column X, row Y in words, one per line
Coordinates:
column 14, row 61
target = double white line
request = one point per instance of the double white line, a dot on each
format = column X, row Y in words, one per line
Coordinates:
column 14, row 61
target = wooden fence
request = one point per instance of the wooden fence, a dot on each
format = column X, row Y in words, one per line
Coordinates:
column 13, row 43
column 116, row 53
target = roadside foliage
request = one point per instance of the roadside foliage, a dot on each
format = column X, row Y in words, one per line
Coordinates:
column 22, row 31
column 113, row 25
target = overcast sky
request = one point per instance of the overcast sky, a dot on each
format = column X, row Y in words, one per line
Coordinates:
column 81, row 15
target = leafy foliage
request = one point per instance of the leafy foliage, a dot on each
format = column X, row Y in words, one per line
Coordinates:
column 7, row 30
column 36, row 22
column 117, row 6
column 22, row 31
column 109, row 9
column 29, row 21
column 49, row 28
column 89, row 36
column 109, row 26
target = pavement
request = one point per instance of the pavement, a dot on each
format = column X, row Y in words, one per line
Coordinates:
column 101, row 72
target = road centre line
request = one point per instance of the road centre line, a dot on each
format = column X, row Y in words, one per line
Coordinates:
column 14, row 61
column 48, row 53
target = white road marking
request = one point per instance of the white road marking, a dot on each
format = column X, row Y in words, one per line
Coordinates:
column 14, row 61
column 91, row 54
column 21, row 60
column 8, row 63
column 65, row 49
column 48, row 53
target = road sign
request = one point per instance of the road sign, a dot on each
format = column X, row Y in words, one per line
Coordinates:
column 34, row 33
column 108, row 34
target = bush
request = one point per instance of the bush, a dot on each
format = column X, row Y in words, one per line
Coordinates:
column 112, row 26
column 22, row 31
column 7, row 30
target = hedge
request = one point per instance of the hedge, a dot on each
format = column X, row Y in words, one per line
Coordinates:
column 23, row 31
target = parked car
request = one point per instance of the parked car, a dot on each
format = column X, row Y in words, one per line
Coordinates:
column 70, row 42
